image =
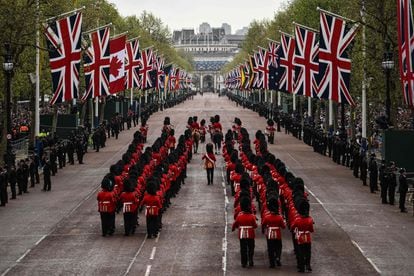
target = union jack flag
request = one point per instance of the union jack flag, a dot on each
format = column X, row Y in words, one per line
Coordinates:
column 159, row 62
column 96, row 65
column 286, row 68
column 406, row 49
column 273, row 53
column 173, row 79
column 64, row 44
column 145, row 69
column 263, row 68
column 132, row 64
column 306, row 62
column 255, row 73
column 334, row 63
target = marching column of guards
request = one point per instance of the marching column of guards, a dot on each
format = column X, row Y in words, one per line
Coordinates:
column 257, row 176
column 144, row 179
column 350, row 152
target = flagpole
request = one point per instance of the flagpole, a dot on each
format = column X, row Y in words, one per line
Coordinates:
column 131, row 39
column 96, row 118
column 364, row 79
column 63, row 14
column 309, row 106
column 118, row 35
column 294, row 101
column 334, row 14
column 305, row 27
column 330, row 112
column 279, row 98
column 132, row 94
column 96, row 29
column 37, row 95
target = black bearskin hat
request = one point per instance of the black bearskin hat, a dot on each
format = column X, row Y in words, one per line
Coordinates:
column 303, row 208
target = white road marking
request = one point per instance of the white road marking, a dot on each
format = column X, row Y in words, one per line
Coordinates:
column 153, row 253
column 368, row 259
column 67, row 215
column 224, row 242
column 6, row 271
column 158, row 236
column 40, row 240
column 24, row 255
column 323, row 206
column 337, row 223
column 135, row 257
column 148, row 271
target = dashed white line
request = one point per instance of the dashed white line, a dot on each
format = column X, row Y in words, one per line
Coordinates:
column 148, row 271
column 135, row 257
column 40, row 240
column 368, row 259
column 224, row 242
column 24, row 255
column 153, row 253
column 323, row 206
column 64, row 217
column 337, row 223
column 6, row 271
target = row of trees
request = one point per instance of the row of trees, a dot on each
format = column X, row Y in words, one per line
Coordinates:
column 381, row 33
column 18, row 24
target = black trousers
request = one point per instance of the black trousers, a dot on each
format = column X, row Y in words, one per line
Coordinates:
column 152, row 226
column 13, row 189
column 304, row 255
column 47, row 183
column 274, row 250
column 4, row 198
column 210, row 176
column 32, row 179
column 246, row 251
column 391, row 194
column 384, row 189
column 402, row 200
column 130, row 222
column 107, row 223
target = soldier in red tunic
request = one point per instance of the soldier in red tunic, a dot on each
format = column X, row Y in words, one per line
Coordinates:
column 144, row 130
column 203, row 131
column 106, row 207
column 129, row 200
column 152, row 203
column 303, row 227
column 272, row 224
column 246, row 222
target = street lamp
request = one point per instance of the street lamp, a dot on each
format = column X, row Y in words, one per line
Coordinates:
column 8, row 72
column 388, row 65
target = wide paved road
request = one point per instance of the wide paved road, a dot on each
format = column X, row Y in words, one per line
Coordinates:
column 58, row 233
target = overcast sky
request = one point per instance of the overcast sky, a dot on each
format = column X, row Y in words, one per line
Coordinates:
column 178, row 14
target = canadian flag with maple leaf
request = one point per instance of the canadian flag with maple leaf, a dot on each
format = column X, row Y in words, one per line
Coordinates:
column 117, row 64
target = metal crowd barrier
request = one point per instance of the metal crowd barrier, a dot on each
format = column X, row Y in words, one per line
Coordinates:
column 20, row 148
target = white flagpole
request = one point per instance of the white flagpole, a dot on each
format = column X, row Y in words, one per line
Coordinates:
column 330, row 112
column 279, row 98
column 309, row 106
column 37, row 95
column 96, row 123
column 294, row 102
column 364, row 79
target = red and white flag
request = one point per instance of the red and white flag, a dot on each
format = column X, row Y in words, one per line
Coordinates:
column 117, row 64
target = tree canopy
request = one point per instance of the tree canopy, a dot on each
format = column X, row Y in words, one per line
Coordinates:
column 18, row 25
